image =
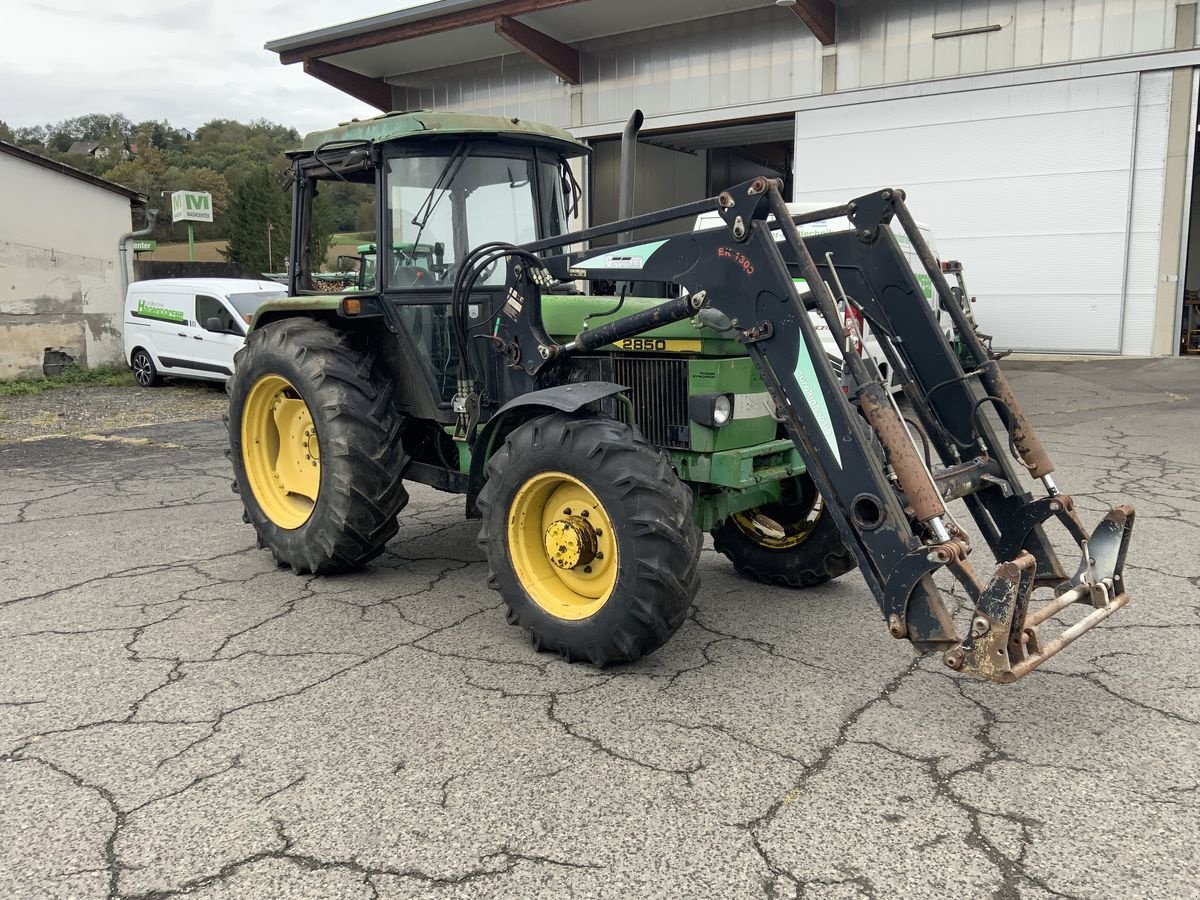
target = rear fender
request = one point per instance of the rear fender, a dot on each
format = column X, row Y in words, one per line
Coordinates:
column 323, row 307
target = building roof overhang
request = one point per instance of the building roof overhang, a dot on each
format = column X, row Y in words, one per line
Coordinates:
column 362, row 59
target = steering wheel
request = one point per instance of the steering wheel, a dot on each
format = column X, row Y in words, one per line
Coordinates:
column 452, row 271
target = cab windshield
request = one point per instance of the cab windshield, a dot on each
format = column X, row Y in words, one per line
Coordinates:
column 443, row 205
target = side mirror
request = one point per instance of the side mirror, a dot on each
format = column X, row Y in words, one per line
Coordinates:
column 213, row 323
column 349, row 263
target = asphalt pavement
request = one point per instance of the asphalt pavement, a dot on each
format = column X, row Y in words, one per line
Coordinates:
column 180, row 717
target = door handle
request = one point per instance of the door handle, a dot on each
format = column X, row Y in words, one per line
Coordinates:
column 181, row 333
column 196, row 337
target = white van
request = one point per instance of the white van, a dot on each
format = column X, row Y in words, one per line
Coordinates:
column 190, row 327
column 829, row 341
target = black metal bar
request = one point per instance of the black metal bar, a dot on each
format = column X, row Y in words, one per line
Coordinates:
column 647, row 319
column 683, row 211
column 965, row 330
column 816, row 284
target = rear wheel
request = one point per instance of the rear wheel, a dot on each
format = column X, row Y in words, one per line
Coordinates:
column 315, row 445
column 589, row 538
column 144, row 371
column 794, row 543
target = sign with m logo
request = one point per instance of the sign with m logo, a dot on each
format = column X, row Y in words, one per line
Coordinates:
column 191, row 206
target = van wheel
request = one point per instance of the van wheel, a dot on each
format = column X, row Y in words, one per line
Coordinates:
column 144, row 372
column 314, row 439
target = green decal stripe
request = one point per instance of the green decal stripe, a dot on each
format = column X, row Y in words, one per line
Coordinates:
column 161, row 313
column 806, row 378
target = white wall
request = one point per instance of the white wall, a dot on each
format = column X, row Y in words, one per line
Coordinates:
column 1050, row 194
column 60, row 285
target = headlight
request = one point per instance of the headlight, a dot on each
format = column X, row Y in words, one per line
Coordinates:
column 711, row 410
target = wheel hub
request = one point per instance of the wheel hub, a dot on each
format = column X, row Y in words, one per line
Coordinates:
column 280, row 451
column 571, row 542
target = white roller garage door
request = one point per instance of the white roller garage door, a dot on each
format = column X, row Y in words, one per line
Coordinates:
column 1049, row 193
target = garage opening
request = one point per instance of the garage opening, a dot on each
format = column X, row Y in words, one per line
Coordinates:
column 1189, row 319
column 681, row 166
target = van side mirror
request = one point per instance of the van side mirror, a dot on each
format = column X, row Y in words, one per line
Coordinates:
column 213, row 323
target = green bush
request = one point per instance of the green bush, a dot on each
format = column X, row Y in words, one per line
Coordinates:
column 108, row 376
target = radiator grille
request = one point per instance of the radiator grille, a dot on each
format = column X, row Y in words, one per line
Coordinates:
column 659, row 390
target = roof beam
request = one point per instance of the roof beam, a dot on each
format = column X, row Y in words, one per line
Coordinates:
column 420, row 28
column 559, row 58
column 821, row 18
column 371, row 91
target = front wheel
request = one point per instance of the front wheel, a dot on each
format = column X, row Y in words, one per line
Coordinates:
column 315, row 444
column 589, row 538
column 793, row 543
column 144, row 371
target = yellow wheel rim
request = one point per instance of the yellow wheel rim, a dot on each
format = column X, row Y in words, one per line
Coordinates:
column 280, row 451
column 764, row 531
column 562, row 545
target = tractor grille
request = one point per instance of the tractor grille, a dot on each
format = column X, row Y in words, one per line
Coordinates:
column 658, row 387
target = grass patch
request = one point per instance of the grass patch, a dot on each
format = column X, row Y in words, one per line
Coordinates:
column 72, row 376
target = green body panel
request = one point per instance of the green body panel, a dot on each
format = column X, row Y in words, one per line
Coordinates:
column 738, row 376
column 563, row 316
column 769, row 461
column 424, row 123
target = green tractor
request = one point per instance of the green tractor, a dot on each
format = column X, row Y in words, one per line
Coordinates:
column 598, row 435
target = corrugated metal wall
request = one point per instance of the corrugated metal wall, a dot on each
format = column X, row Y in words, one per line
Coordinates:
column 891, row 41
column 512, row 85
column 706, row 64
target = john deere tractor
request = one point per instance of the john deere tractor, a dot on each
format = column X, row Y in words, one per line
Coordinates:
column 602, row 405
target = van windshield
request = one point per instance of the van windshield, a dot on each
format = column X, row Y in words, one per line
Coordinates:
column 247, row 304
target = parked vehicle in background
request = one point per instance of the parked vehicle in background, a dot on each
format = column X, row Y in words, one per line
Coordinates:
column 190, row 327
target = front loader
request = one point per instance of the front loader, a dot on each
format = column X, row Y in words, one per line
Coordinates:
column 597, row 436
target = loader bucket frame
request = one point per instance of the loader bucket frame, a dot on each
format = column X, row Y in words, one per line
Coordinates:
column 889, row 505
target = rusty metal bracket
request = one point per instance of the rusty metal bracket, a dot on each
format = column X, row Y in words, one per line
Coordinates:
column 1017, row 527
column 760, row 332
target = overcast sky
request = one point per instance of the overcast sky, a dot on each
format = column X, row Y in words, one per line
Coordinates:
column 187, row 61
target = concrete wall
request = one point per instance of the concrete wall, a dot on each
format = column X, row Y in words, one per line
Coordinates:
column 60, row 282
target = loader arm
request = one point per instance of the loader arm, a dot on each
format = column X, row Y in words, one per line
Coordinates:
column 889, row 506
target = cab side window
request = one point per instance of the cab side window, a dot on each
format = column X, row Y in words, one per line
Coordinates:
column 212, row 308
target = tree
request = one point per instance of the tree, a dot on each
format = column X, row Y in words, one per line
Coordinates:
column 257, row 203
column 6, row 133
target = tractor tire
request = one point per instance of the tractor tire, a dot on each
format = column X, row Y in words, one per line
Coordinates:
column 589, row 538
column 315, row 444
column 809, row 552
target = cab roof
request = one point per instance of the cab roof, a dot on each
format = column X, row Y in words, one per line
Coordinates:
column 424, row 123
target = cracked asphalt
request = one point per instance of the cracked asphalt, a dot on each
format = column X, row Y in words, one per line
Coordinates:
column 178, row 716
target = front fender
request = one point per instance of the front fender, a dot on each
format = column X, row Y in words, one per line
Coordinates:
column 561, row 398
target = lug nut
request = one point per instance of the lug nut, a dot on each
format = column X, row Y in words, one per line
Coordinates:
column 587, row 570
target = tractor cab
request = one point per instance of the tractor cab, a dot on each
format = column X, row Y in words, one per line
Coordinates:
column 444, row 184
